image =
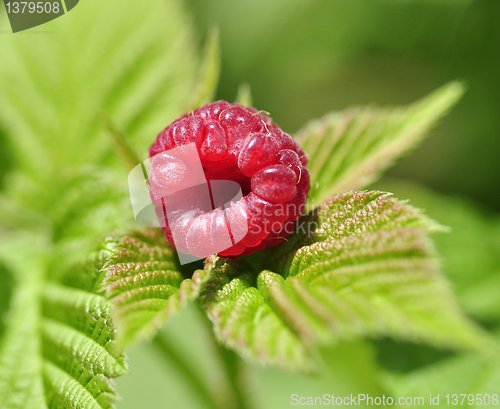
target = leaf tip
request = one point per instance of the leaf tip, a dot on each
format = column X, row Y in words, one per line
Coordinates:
column 209, row 71
column 244, row 95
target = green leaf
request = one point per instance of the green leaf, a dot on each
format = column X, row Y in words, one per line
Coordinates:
column 135, row 64
column 350, row 149
column 87, row 209
column 471, row 252
column 245, row 322
column 58, row 349
column 209, row 74
column 465, row 374
column 244, row 95
column 362, row 266
column 138, row 74
column 145, row 285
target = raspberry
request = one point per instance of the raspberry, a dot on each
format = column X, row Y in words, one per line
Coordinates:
column 238, row 144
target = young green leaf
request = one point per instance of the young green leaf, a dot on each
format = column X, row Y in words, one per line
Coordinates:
column 136, row 64
column 363, row 266
column 58, row 349
column 350, row 149
column 244, row 95
column 145, row 285
column 209, row 73
column 245, row 322
column 471, row 252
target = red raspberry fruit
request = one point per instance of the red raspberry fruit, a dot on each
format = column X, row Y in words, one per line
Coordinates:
column 239, row 144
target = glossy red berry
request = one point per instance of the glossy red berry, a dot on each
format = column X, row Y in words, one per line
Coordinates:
column 242, row 145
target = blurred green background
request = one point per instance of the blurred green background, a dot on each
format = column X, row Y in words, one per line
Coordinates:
column 305, row 58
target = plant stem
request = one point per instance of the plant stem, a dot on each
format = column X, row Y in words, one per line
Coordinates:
column 174, row 357
column 233, row 370
column 232, row 367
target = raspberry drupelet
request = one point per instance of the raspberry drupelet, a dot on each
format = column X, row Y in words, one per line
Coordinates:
column 242, row 145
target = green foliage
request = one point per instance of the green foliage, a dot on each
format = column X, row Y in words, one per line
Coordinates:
column 145, row 285
column 58, row 349
column 349, row 150
column 134, row 64
column 134, row 67
column 349, row 368
column 471, row 252
column 20, row 377
column 470, row 261
column 244, row 321
column 363, row 268
column 65, row 189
